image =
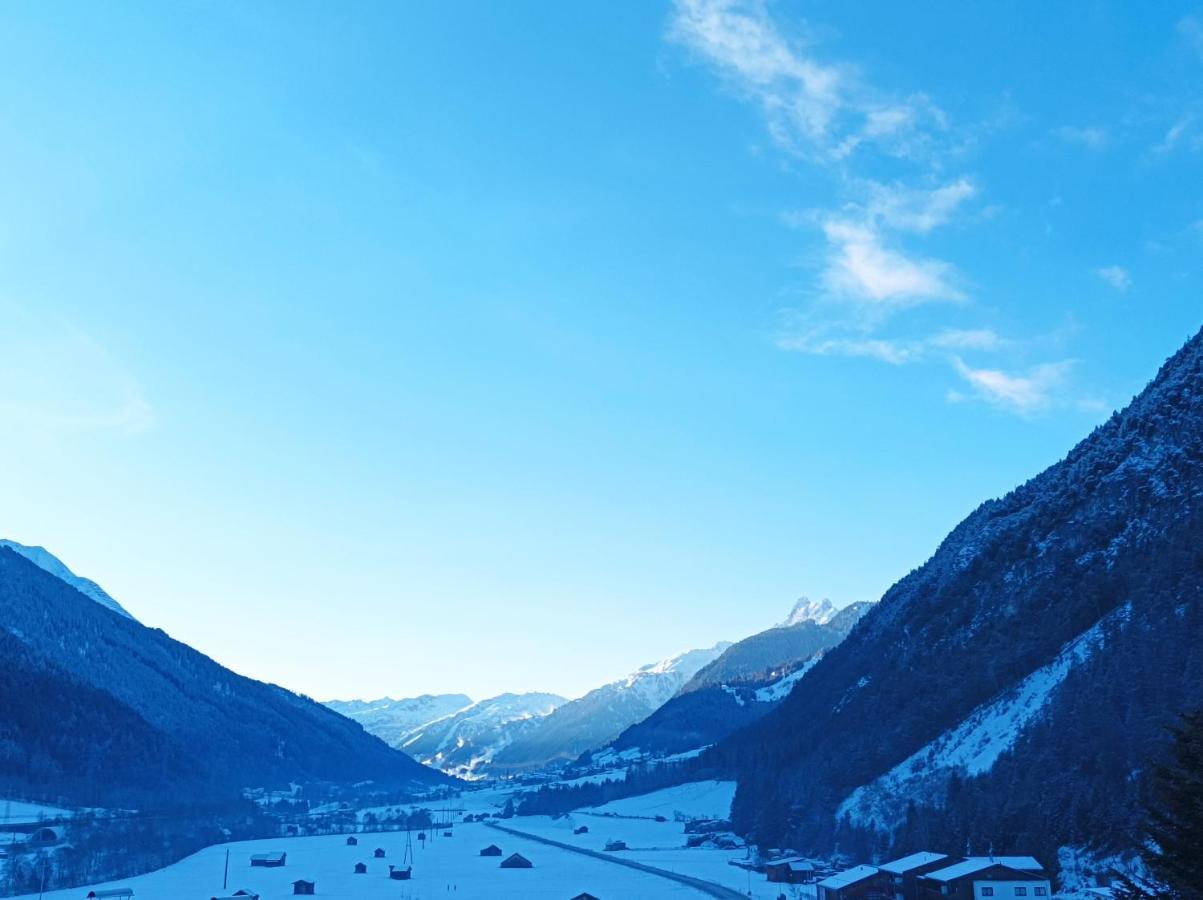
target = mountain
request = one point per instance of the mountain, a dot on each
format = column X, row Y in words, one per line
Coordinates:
column 467, row 741
column 393, row 720
column 744, row 683
column 806, row 610
column 88, row 693
column 605, row 712
column 48, row 562
column 1013, row 692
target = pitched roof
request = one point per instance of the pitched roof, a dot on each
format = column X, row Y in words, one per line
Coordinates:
column 979, row 863
column 914, row 861
column 851, row 876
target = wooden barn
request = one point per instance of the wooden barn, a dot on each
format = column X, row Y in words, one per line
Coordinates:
column 352, row 841
column 304, row 888
column 517, row 861
column 903, row 874
column 857, row 883
column 491, row 850
column 361, row 868
column 378, row 853
column 111, row 894
column 581, row 829
column 400, row 874
column 793, row 870
column 616, row 845
column 269, row 860
column 239, row 895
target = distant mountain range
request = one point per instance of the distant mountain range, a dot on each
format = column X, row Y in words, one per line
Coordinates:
column 98, row 708
column 747, row 681
column 1012, row 693
column 395, row 720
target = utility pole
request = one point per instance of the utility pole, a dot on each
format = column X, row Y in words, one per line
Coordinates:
column 225, row 878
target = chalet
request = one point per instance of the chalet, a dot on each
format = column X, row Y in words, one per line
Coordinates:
column 491, row 850
column 304, row 888
column 857, row 883
column 361, row 868
column 517, row 861
column 903, row 874
column 581, row 829
column 400, row 874
column 987, row 878
column 352, row 841
column 268, row 860
column 378, row 853
column 111, row 894
column 794, row 870
column 616, row 845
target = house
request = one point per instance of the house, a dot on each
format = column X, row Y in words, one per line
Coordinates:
column 793, row 870
column 491, row 850
column 268, row 860
column 361, row 868
column 616, row 845
column 304, row 888
column 517, row 861
column 111, row 894
column 987, row 878
column 903, row 874
column 352, row 841
column 857, row 883
column 580, row 829
column 378, row 853
column 400, row 874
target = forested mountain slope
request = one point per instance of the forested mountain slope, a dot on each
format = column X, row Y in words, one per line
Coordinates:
column 1011, row 691
column 100, row 709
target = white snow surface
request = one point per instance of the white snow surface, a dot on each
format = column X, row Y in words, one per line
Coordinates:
column 696, row 800
column 972, row 747
column 48, row 562
column 806, row 610
column 781, row 688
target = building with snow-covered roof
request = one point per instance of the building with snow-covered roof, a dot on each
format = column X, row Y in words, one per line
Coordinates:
column 987, row 878
column 268, row 860
column 903, row 874
column 857, row 883
column 794, row 870
column 304, row 888
column 517, row 861
column 111, row 894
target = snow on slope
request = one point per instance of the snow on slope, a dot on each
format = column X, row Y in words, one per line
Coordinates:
column 393, row 720
column 469, row 738
column 976, row 744
column 806, row 610
column 780, row 689
column 48, row 562
column 694, row 800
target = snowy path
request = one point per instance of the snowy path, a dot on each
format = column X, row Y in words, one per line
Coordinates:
column 709, row 888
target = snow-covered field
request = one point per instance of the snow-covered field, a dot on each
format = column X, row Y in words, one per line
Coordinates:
column 444, row 867
column 453, row 866
column 21, row 811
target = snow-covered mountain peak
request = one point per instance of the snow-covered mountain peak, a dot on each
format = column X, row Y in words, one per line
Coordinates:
column 686, row 663
column 806, row 610
column 48, row 562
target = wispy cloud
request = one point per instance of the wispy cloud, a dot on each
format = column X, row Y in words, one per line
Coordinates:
column 59, row 380
column 862, row 269
column 813, row 108
column 1191, row 30
column 1031, row 392
column 869, row 272
column 1092, row 137
column 1116, row 276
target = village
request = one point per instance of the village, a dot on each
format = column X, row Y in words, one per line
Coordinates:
column 669, row 843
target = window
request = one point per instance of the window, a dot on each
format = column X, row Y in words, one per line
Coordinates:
column 987, row 892
column 1041, row 892
column 1021, row 892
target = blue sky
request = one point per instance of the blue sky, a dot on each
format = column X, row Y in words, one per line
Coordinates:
column 393, row 348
